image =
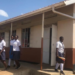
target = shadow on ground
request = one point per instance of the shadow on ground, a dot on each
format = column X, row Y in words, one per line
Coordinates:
column 49, row 70
column 25, row 69
column 21, row 71
column 31, row 69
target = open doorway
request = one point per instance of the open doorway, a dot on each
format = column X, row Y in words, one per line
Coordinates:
column 53, row 45
column 49, row 45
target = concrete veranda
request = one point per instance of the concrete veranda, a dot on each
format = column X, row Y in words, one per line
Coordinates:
column 31, row 69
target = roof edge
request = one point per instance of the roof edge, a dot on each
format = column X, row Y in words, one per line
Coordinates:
column 38, row 11
column 69, row 2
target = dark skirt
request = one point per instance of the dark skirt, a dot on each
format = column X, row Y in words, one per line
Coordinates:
column 2, row 56
column 16, row 55
column 58, row 59
column 10, row 52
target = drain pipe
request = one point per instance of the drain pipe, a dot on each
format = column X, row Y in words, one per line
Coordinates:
column 54, row 11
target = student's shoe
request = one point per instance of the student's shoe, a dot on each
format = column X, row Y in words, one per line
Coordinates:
column 61, row 72
column 8, row 66
column 17, row 67
column 56, row 70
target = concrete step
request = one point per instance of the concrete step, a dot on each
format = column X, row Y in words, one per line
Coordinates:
column 52, row 72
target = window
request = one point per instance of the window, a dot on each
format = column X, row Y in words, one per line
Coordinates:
column 14, row 32
column 26, row 37
column 2, row 34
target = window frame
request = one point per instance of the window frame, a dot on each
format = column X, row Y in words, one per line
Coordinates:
column 13, row 32
column 1, row 33
column 24, row 37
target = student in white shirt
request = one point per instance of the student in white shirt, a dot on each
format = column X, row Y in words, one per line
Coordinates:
column 16, row 51
column 60, row 53
column 10, row 52
column 2, row 52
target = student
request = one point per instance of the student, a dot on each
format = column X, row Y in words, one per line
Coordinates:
column 60, row 53
column 2, row 52
column 16, row 51
column 3, row 39
column 10, row 52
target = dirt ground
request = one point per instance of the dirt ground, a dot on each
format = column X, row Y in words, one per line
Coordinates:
column 31, row 69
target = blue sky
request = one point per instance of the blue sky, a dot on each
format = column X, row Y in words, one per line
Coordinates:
column 13, row 8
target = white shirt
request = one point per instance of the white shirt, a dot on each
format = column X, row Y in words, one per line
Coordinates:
column 3, row 40
column 11, row 42
column 2, row 44
column 16, row 44
column 60, row 46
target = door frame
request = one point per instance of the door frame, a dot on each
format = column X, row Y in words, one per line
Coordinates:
column 50, row 41
column 53, row 44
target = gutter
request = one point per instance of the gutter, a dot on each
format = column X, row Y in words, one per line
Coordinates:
column 54, row 11
column 68, row 2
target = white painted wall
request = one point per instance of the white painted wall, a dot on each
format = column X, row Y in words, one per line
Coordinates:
column 65, row 29
column 35, row 36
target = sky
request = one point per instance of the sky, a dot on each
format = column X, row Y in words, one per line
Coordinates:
column 13, row 8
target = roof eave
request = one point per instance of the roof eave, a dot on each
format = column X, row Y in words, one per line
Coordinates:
column 36, row 12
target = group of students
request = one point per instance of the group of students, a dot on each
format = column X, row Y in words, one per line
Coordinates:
column 14, row 52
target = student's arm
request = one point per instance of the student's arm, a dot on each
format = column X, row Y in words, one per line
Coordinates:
column 11, row 43
column 19, row 43
column 20, row 47
column 64, row 53
column 3, row 49
column 4, row 44
column 57, row 47
column 64, row 50
column 57, row 52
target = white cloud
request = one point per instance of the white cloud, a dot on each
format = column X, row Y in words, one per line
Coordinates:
column 3, row 13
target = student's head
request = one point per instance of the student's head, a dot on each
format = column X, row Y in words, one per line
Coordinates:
column 16, row 37
column 61, row 39
column 12, row 37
